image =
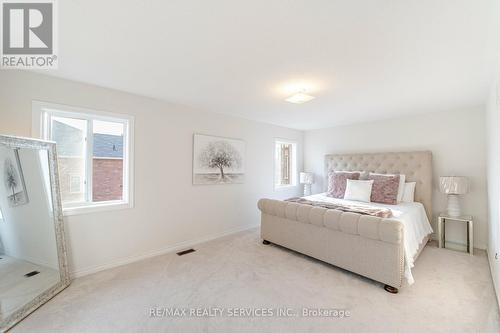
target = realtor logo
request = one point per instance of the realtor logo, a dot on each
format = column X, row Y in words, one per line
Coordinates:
column 28, row 34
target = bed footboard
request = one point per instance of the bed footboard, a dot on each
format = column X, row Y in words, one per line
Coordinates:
column 366, row 245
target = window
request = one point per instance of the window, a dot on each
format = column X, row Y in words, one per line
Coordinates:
column 75, row 184
column 94, row 155
column 285, row 157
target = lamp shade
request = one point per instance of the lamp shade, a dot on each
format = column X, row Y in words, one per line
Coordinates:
column 453, row 185
column 307, row 178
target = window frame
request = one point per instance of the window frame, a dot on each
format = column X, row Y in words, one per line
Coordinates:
column 43, row 111
column 293, row 164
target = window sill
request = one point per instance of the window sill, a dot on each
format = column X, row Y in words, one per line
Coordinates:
column 70, row 211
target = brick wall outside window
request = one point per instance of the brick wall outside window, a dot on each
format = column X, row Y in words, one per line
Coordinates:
column 107, row 179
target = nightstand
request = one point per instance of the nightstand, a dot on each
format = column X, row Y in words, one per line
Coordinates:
column 442, row 229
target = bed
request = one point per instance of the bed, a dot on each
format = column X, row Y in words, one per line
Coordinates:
column 380, row 248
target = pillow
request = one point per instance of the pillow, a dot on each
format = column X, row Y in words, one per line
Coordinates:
column 401, row 188
column 337, row 182
column 409, row 193
column 385, row 188
column 358, row 190
column 330, row 177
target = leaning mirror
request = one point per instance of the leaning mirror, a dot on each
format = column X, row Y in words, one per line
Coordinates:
column 33, row 264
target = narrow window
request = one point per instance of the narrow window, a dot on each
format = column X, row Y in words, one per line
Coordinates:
column 75, row 184
column 285, row 163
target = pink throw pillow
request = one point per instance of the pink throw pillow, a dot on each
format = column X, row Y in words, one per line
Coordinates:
column 337, row 182
column 385, row 188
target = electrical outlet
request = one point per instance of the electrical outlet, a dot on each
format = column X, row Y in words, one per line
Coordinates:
column 496, row 256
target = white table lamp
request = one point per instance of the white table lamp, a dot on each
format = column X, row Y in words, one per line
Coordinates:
column 453, row 186
column 307, row 178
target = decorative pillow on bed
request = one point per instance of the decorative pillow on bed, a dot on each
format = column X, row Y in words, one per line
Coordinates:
column 385, row 188
column 330, row 177
column 402, row 179
column 358, row 190
column 337, row 182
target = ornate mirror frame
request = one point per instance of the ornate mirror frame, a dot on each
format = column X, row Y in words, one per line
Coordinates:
column 50, row 147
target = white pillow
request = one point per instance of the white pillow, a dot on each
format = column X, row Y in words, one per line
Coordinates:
column 401, row 188
column 409, row 192
column 358, row 190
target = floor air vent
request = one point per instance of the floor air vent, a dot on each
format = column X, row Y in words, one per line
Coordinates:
column 30, row 274
column 185, row 252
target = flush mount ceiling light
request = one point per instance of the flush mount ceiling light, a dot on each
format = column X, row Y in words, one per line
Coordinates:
column 299, row 98
column 298, row 90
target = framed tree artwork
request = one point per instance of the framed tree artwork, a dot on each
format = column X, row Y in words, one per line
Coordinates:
column 13, row 178
column 218, row 160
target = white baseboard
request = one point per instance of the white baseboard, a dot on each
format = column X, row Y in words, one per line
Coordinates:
column 496, row 288
column 457, row 246
column 173, row 248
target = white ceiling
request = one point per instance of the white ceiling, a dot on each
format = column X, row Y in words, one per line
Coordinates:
column 362, row 59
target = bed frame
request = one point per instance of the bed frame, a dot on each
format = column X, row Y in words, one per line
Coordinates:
column 366, row 245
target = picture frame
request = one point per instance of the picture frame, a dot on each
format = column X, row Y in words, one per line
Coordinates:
column 218, row 160
column 13, row 179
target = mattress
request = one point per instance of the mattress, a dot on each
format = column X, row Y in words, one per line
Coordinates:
column 411, row 214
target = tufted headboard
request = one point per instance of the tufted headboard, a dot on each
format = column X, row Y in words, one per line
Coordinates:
column 416, row 165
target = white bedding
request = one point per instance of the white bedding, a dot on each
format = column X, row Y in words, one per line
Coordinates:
column 411, row 214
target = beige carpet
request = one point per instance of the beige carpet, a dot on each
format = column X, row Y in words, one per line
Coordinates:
column 453, row 293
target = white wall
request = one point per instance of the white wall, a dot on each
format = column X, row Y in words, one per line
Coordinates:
column 27, row 231
column 455, row 138
column 169, row 211
column 493, row 137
